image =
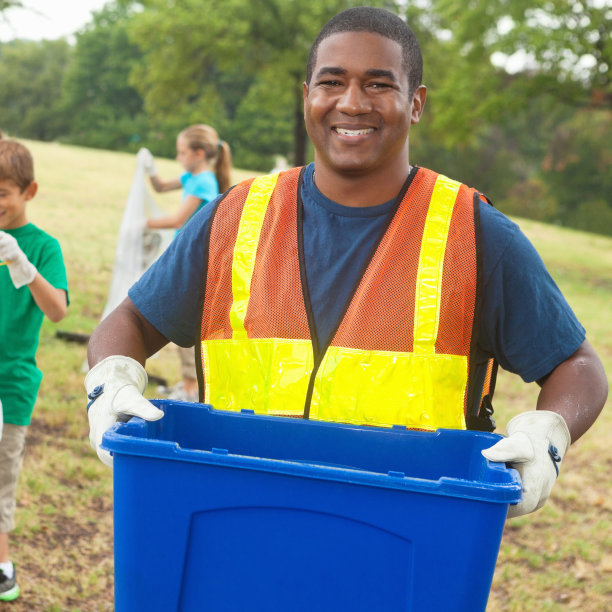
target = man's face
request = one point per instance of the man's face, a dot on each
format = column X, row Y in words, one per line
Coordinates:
column 357, row 106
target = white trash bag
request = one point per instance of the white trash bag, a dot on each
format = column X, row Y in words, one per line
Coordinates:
column 137, row 246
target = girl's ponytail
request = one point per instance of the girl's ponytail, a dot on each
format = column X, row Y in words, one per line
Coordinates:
column 223, row 166
column 205, row 137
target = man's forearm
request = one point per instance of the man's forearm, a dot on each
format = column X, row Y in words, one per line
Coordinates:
column 576, row 389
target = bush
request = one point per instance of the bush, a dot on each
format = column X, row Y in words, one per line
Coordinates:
column 530, row 199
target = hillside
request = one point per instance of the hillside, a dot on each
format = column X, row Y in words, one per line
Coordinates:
column 557, row 559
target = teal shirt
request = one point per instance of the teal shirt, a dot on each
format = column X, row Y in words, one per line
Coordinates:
column 203, row 185
column 20, row 322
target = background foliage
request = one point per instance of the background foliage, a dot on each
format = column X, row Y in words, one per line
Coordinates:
column 519, row 94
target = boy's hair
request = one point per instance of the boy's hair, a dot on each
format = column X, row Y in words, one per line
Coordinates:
column 16, row 164
column 205, row 137
column 376, row 21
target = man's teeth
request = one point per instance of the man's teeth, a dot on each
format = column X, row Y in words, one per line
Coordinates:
column 345, row 132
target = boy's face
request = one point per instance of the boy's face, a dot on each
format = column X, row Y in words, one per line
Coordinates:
column 13, row 204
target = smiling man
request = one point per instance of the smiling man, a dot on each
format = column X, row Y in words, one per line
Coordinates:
column 359, row 289
column 362, row 93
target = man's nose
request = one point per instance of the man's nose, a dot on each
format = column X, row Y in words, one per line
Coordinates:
column 354, row 100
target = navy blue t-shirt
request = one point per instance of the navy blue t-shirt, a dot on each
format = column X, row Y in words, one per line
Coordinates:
column 526, row 323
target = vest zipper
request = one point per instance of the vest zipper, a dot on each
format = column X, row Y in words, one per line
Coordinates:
column 319, row 352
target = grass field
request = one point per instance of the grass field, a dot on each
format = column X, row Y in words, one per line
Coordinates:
column 559, row 558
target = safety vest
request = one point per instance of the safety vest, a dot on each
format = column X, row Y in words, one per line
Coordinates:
column 400, row 354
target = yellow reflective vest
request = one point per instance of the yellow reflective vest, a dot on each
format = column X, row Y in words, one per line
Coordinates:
column 401, row 352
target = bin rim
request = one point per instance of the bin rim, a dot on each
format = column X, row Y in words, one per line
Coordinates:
column 126, row 438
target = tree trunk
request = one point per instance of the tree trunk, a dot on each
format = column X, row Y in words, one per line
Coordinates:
column 300, row 137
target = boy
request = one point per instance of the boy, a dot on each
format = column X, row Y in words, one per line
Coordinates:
column 32, row 284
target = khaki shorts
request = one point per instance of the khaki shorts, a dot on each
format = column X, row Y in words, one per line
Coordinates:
column 188, row 366
column 12, row 449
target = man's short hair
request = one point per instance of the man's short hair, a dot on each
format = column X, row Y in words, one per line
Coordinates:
column 376, row 21
column 16, row 164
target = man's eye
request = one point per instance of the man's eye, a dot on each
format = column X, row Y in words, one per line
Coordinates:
column 380, row 85
column 329, row 83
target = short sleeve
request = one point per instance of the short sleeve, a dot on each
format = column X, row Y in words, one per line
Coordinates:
column 526, row 322
column 203, row 185
column 168, row 293
column 50, row 264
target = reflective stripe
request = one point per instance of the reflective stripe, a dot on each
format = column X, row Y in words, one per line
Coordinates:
column 269, row 376
column 386, row 388
column 247, row 240
column 421, row 389
column 431, row 262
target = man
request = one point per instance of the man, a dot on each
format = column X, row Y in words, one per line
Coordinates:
column 359, row 289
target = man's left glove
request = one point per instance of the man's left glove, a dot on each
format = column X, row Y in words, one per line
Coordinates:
column 536, row 443
column 114, row 389
column 21, row 270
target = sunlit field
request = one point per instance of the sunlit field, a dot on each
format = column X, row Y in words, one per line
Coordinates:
column 559, row 558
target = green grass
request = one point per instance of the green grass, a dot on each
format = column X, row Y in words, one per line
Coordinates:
column 559, row 558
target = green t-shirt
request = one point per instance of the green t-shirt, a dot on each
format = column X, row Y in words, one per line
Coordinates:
column 20, row 321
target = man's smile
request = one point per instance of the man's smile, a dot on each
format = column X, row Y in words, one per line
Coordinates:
column 353, row 132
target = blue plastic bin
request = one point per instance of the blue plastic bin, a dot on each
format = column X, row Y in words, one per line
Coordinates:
column 226, row 511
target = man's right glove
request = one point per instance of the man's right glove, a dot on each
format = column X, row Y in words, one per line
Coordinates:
column 536, row 443
column 114, row 389
column 145, row 157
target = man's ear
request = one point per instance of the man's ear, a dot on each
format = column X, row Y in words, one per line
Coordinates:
column 305, row 97
column 418, row 103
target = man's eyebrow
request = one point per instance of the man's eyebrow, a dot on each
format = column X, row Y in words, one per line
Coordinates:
column 371, row 72
column 381, row 73
column 331, row 70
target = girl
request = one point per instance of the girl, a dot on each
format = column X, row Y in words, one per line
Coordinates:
column 198, row 149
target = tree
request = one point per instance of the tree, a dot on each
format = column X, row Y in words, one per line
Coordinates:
column 7, row 4
column 577, row 170
column 31, row 74
column 565, row 46
column 105, row 110
column 187, row 50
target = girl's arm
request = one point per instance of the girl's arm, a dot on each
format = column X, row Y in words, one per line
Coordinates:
column 50, row 300
column 189, row 205
column 160, row 185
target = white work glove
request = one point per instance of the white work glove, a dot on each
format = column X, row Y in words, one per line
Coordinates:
column 21, row 270
column 536, row 443
column 114, row 389
column 145, row 157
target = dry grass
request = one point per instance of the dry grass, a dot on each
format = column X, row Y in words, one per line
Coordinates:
column 560, row 558
column 557, row 559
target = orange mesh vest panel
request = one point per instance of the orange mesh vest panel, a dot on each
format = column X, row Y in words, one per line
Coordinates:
column 401, row 351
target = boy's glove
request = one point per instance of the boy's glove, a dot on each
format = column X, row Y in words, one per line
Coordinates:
column 21, row 270
column 535, row 445
column 145, row 157
column 114, row 389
